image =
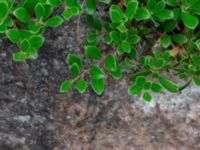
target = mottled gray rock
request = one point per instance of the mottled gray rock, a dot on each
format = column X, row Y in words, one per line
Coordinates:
column 35, row 116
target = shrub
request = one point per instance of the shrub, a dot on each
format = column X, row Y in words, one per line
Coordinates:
column 167, row 30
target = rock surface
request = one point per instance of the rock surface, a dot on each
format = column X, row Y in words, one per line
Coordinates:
column 35, row 116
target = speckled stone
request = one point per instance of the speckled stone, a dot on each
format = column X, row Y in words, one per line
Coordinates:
column 35, row 116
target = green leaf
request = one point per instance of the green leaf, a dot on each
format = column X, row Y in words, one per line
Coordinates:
column 92, row 52
column 172, row 3
column 90, row 6
column 131, row 8
column 13, row 35
column 115, row 14
column 74, row 70
column 195, row 59
column 159, row 6
column 54, row 21
column 165, row 41
column 156, row 87
column 196, row 81
column 164, row 15
column 110, row 63
column 140, row 81
column 81, row 85
column 54, row 3
column 169, row 85
column 116, row 74
column 96, row 72
column 160, row 63
column 179, row 38
column 32, row 53
column 197, row 43
column 124, row 47
column 19, row 56
column 105, row 1
column 142, row 14
column 115, row 35
column 65, row 86
column 134, row 89
column 36, row 40
column 147, row 85
column 190, row 21
column 97, row 85
column 71, row 59
column 24, row 45
column 22, row 14
column 3, row 10
column 39, row 11
column 67, row 14
column 147, row 97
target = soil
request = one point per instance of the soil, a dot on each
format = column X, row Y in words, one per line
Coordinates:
column 35, row 116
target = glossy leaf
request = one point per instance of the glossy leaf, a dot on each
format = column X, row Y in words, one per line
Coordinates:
column 65, row 86
column 54, row 21
column 97, row 85
column 13, row 35
column 39, row 11
column 169, row 85
column 142, row 14
column 190, row 21
column 92, row 52
column 96, row 72
column 110, row 63
column 147, row 97
column 81, row 85
column 134, row 89
column 22, row 14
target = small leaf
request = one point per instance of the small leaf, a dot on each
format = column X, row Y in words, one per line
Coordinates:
column 13, row 35
column 39, row 11
column 67, row 14
column 197, row 43
column 110, row 63
column 115, row 14
column 131, row 8
column 65, row 86
column 24, row 45
column 134, row 89
column 20, row 56
column 164, row 14
column 3, row 10
column 147, row 85
column 54, row 3
column 92, row 52
column 195, row 59
column 97, row 85
column 169, row 85
column 54, row 21
column 36, row 40
column 116, row 74
column 124, row 47
column 90, row 6
column 190, row 21
column 71, row 59
column 96, row 72
column 74, row 70
column 22, row 14
column 196, row 81
column 147, row 97
column 179, row 38
column 156, row 87
column 140, row 80
column 142, row 14
column 165, row 41
column 81, row 85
